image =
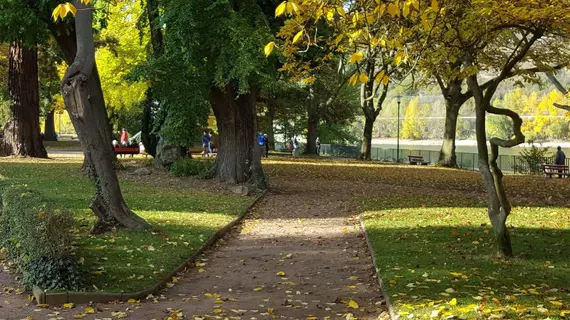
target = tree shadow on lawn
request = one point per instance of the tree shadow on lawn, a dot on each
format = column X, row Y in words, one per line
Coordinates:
column 427, row 245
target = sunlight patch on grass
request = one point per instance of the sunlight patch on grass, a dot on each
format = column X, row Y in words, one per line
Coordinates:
column 125, row 260
column 437, row 257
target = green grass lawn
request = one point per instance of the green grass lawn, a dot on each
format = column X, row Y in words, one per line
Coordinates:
column 183, row 218
column 437, row 257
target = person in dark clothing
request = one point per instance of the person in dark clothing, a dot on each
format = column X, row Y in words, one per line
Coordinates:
column 266, row 140
column 560, row 157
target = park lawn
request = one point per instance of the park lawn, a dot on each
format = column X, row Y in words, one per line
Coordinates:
column 183, row 218
column 437, row 258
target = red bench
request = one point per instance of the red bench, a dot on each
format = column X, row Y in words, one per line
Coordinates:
column 127, row 150
column 552, row 169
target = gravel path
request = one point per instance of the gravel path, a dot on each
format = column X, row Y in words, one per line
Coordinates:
column 299, row 255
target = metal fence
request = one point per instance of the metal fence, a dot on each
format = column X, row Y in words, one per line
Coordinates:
column 507, row 163
column 465, row 160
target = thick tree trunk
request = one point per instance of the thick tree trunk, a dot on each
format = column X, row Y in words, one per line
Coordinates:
column 312, row 128
column 447, row 156
column 239, row 156
column 22, row 132
column 49, row 129
column 366, row 148
column 81, row 90
column 498, row 208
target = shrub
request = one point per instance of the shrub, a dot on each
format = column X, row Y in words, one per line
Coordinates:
column 201, row 169
column 33, row 232
column 531, row 160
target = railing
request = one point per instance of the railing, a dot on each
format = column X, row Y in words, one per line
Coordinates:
column 465, row 160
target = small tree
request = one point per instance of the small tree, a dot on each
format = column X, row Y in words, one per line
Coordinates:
column 531, row 159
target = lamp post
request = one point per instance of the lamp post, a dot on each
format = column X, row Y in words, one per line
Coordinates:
column 398, row 99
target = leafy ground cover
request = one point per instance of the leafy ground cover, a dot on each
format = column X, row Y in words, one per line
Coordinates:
column 184, row 214
column 435, row 249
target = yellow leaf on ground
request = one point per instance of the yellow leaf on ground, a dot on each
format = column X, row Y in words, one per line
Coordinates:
column 556, row 303
column 453, row 302
column 269, row 310
column 68, row 306
column 89, row 310
column 353, row 304
column 201, row 270
column 280, row 273
column 257, row 289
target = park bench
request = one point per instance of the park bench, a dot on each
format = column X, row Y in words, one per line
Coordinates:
column 419, row 160
column 197, row 150
column 552, row 169
column 127, row 150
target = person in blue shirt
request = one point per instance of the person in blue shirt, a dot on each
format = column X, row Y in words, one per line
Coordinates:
column 261, row 142
column 205, row 143
column 560, row 157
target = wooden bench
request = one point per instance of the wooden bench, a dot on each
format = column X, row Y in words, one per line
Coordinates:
column 201, row 151
column 419, row 160
column 127, row 150
column 558, row 169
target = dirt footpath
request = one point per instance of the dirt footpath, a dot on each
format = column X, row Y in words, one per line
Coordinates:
column 299, row 255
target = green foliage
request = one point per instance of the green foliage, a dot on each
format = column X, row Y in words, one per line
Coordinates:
column 201, row 169
column 532, row 158
column 54, row 273
column 33, row 231
column 207, row 44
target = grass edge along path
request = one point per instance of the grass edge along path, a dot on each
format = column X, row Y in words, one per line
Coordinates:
column 183, row 220
column 437, row 258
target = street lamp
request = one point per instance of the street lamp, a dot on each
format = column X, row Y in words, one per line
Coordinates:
column 398, row 99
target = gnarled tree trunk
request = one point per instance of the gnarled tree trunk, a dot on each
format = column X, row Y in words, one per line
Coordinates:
column 81, row 90
column 239, row 157
column 22, row 131
column 370, row 110
column 49, row 129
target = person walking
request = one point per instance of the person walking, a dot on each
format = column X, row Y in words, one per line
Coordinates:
column 205, row 143
column 295, row 147
column 261, row 142
column 318, row 144
column 124, row 137
column 560, row 157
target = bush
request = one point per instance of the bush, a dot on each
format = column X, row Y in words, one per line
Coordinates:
column 33, row 232
column 201, row 169
column 531, row 160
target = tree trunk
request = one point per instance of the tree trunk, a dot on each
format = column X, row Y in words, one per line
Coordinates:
column 148, row 137
column 447, row 156
column 81, row 90
column 270, row 114
column 312, row 128
column 49, row 128
column 366, row 148
column 65, row 36
column 498, row 208
column 239, row 156
column 22, row 132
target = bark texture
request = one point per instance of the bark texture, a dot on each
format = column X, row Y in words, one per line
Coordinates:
column 148, row 136
column 22, row 131
column 49, row 131
column 454, row 99
column 81, row 90
column 270, row 114
column 371, row 110
column 239, row 157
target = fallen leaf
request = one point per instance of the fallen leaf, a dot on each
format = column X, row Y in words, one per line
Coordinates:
column 353, row 304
